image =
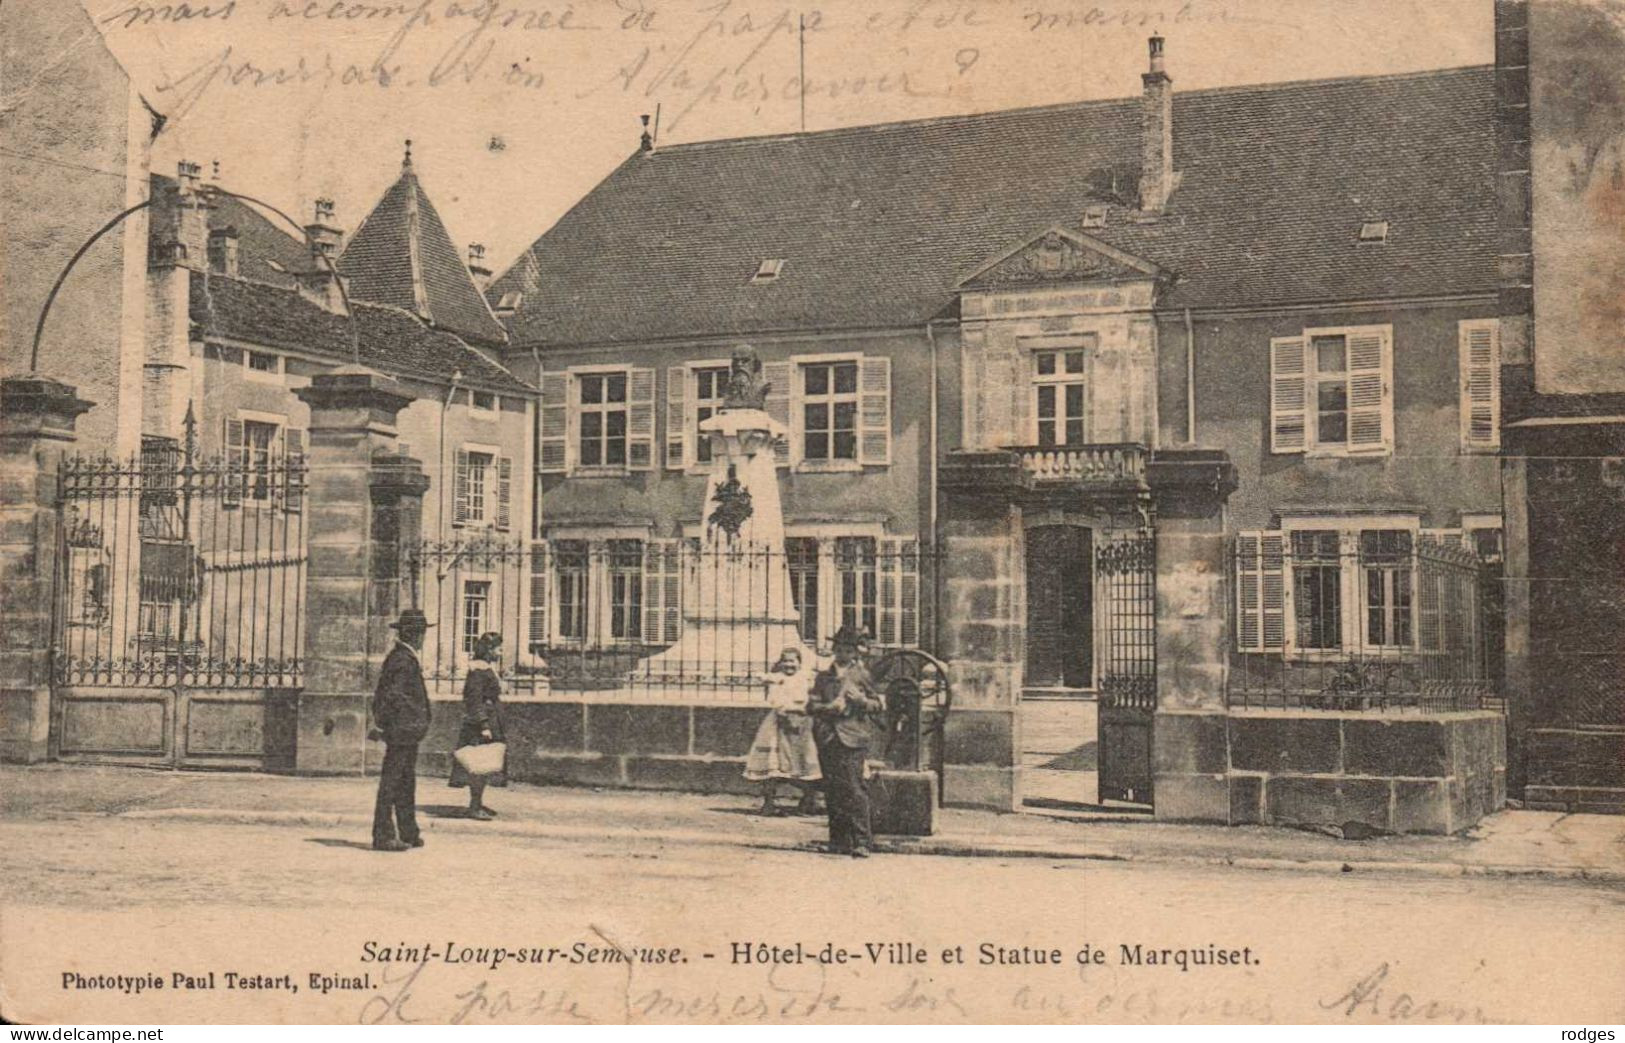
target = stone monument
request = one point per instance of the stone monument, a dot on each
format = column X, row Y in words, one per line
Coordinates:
column 738, row 613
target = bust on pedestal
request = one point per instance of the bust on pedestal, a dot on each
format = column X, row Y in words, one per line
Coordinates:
column 738, row 614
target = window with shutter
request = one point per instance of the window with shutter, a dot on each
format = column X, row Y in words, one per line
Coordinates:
column 640, row 419
column 777, row 405
column 232, row 482
column 890, row 569
column 293, row 473
column 1260, row 592
column 538, row 598
column 677, row 423
column 1480, row 347
column 1370, row 402
column 874, row 436
column 460, row 490
column 554, row 442
column 504, row 492
column 662, row 592
column 1288, row 395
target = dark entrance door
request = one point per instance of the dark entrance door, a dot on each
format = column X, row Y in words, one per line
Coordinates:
column 1060, row 617
column 1127, row 566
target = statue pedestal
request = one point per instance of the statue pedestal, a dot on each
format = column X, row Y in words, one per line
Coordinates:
column 738, row 614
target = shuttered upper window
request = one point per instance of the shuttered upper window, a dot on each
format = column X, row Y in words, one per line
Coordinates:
column 598, row 420
column 483, row 488
column 1480, row 349
column 1331, row 391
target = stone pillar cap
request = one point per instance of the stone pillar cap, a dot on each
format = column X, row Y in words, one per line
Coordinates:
column 355, row 387
column 40, row 397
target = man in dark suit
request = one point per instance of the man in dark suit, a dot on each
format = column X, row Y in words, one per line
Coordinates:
column 400, row 712
column 842, row 699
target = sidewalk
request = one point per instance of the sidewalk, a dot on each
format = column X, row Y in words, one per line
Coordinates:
column 1513, row 843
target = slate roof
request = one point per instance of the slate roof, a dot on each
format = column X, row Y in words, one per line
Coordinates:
column 267, row 251
column 876, row 225
column 403, row 255
column 393, row 341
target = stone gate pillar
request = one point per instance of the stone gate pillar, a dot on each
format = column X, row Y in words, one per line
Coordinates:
column 1189, row 753
column 364, row 505
column 37, row 418
column 981, row 622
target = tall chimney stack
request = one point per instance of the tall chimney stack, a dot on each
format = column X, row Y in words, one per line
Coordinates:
column 190, row 204
column 321, row 283
column 1157, row 177
column 477, row 267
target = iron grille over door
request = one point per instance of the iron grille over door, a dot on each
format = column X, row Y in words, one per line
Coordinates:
column 1126, row 567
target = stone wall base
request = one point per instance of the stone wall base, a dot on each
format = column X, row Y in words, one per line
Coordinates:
column 332, row 736
column 1438, row 773
column 25, row 725
column 1573, row 769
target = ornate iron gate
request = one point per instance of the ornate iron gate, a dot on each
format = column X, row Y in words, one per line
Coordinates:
column 1126, row 574
column 178, row 619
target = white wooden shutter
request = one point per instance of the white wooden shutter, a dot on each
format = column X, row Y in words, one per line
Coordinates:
column 504, row 492
column 908, row 612
column 1260, row 592
column 459, row 485
column 874, row 410
column 554, row 448
column 1289, row 394
column 293, row 469
column 538, row 598
column 780, row 378
column 1371, row 398
column 678, row 418
column 236, row 476
column 640, row 419
column 662, row 592
column 889, row 595
column 1480, row 344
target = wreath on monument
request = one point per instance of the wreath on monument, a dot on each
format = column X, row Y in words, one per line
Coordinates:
column 733, row 506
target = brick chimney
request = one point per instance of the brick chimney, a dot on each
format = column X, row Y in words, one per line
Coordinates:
column 477, row 267
column 1157, row 176
column 321, row 283
column 223, row 251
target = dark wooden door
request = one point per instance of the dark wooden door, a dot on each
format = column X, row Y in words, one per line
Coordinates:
column 1060, row 619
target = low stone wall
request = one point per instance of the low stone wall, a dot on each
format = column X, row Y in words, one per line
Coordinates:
column 1439, row 773
column 630, row 745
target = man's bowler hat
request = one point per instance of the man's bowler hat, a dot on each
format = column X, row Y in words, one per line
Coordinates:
column 850, row 637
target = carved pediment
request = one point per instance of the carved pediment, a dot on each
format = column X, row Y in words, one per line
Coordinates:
column 1060, row 255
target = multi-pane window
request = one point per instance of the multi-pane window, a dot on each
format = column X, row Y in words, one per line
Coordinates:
column 1058, row 404
column 802, row 552
column 1317, row 588
column 478, row 486
column 625, row 562
column 859, row 586
column 710, row 386
column 601, row 417
column 571, row 581
column 1330, row 355
column 1386, row 564
column 829, row 410
column 259, row 441
column 263, row 362
column 1331, row 391
column 476, row 610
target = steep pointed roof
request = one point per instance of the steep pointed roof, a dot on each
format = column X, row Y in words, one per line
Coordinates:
column 403, row 255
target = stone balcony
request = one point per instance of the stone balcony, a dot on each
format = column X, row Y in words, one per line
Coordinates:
column 1104, row 465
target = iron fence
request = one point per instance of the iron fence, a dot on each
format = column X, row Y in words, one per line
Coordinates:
column 182, row 569
column 1364, row 621
column 658, row 618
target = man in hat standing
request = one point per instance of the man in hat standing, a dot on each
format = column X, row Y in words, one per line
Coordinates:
column 843, row 697
column 400, row 711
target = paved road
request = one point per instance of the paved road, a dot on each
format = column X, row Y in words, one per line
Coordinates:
column 164, row 897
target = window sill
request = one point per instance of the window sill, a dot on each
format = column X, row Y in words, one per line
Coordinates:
column 1314, row 453
column 600, row 472
column 828, row 467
